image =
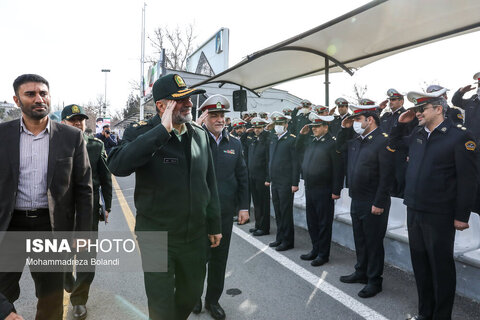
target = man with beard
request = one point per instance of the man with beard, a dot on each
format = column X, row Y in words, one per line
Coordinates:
column 232, row 182
column 176, row 192
column 46, row 185
column 74, row 115
column 454, row 114
column 439, row 194
column 369, row 172
column 323, row 177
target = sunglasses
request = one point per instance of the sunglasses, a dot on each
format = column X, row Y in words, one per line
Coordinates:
column 421, row 109
column 395, row 99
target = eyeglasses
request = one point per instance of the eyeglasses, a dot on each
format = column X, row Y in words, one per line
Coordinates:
column 395, row 99
column 421, row 109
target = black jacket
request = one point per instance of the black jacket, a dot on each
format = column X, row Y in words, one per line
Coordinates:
column 175, row 188
column 283, row 162
column 5, row 307
column 322, row 165
column 472, row 111
column 442, row 173
column 336, row 125
column 231, row 173
column 258, row 156
column 369, row 166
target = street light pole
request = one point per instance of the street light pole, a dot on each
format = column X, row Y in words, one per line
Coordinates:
column 105, row 104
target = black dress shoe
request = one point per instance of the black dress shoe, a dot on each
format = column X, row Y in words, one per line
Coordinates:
column 216, row 310
column 260, row 233
column 68, row 282
column 369, row 291
column 284, row 247
column 309, row 256
column 318, row 262
column 79, row 312
column 198, row 307
column 252, row 230
column 275, row 244
column 354, row 278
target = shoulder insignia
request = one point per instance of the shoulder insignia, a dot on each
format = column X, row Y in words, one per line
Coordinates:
column 135, row 125
column 385, row 135
column 248, row 137
column 470, row 145
column 292, row 135
column 390, row 149
column 142, row 123
column 460, row 116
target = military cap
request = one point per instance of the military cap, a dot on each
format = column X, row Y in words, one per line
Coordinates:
column 394, row 94
column 263, row 114
column 341, row 102
column 421, row 98
column 73, row 110
column 278, row 117
column 318, row 120
column 320, row 108
column 258, row 122
column 365, row 105
column 237, row 123
column 476, row 77
column 172, row 87
column 253, row 114
column 215, row 103
column 287, row 111
column 306, row 103
column 434, row 88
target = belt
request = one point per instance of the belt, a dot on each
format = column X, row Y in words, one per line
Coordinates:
column 34, row 213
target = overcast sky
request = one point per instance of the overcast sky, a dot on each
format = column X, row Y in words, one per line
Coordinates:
column 69, row 42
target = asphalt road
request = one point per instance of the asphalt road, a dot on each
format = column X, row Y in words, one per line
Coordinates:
column 260, row 282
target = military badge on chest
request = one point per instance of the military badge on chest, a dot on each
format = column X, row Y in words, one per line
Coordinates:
column 231, row 151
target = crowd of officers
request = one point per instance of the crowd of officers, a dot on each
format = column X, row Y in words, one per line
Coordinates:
column 193, row 177
column 425, row 154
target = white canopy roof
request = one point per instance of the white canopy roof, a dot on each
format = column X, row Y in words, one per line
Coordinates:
column 374, row 31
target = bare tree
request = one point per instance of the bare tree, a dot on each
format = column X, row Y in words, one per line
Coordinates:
column 359, row 92
column 178, row 45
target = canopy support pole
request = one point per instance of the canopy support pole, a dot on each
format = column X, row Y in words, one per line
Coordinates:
column 327, row 82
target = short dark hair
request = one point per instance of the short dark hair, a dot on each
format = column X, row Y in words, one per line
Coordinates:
column 29, row 77
column 106, row 126
column 373, row 114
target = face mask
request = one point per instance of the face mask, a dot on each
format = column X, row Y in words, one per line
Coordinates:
column 304, row 110
column 279, row 129
column 357, row 126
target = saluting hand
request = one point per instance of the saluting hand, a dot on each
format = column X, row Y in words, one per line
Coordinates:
column 460, row 225
column 407, row 116
column 215, row 239
column 167, row 115
column 347, row 123
column 467, row 88
column 377, row 211
column 202, row 118
column 249, row 130
column 270, row 126
column 383, row 104
column 332, row 111
column 305, row 129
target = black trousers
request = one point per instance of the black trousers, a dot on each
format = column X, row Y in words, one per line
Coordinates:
column 398, row 187
column 261, row 204
column 217, row 262
column 82, row 282
column 48, row 285
column 172, row 295
column 431, row 238
column 368, row 233
column 282, row 198
column 320, row 206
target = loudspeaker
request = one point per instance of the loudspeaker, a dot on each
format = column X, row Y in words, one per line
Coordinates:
column 240, row 100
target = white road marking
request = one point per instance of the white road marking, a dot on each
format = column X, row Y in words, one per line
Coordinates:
column 319, row 283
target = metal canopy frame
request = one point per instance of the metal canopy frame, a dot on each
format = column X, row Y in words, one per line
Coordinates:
column 331, row 62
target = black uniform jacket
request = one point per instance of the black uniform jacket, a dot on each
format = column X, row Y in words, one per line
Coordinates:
column 370, row 166
column 472, row 111
column 258, row 156
column 283, row 162
column 5, row 307
column 336, row 125
column 321, row 166
column 441, row 173
column 69, row 177
column 231, row 173
column 176, row 189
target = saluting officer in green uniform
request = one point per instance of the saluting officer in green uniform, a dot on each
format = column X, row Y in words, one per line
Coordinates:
column 176, row 192
column 74, row 115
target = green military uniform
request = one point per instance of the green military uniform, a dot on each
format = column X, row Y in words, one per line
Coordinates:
column 175, row 191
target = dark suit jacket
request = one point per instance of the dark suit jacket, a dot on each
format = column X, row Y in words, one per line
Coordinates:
column 69, row 178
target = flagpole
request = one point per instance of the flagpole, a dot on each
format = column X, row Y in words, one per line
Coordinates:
column 142, row 60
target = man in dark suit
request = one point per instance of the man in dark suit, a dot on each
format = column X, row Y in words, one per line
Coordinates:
column 45, row 184
column 232, row 182
column 6, row 310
